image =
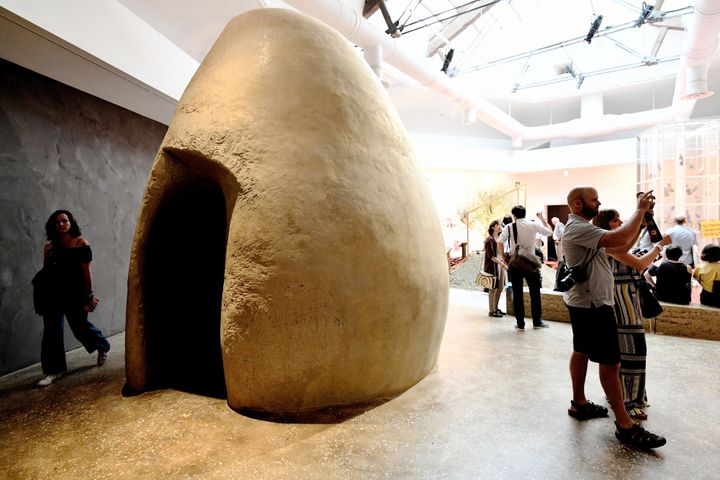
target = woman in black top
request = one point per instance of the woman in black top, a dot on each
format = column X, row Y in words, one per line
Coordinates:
column 491, row 265
column 67, row 258
column 672, row 282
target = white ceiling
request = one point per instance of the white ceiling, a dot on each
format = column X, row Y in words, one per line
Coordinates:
column 523, row 26
column 507, row 28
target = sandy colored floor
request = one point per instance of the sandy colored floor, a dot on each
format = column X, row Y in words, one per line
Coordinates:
column 495, row 407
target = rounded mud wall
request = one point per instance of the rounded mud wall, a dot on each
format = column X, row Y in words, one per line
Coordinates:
column 336, row 281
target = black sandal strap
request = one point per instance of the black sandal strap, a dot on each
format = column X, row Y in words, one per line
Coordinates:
column 637, row 436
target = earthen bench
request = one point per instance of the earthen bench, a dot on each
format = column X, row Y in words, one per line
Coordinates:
column 693, row 321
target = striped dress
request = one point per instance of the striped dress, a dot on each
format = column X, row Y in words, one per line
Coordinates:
column 631, row 335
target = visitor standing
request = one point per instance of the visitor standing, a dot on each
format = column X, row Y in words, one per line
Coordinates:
column 685, row 238
column 626, row 269
column 590, row 303
column 522, row 233
column 492, row 265
column 67, row 258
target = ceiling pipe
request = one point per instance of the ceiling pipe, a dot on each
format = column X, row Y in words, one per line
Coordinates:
column 374, row 58
column 705, row 26
column 358, row 30
column 701, row 42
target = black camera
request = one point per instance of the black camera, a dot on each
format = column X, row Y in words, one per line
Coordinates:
column 569, row 277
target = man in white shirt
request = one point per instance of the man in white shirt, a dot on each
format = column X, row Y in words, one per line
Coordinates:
column 685, row 238
column 526, row 231
column 557, row 236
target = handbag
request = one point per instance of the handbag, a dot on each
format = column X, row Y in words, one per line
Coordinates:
column 649, row 305
column 522, row 261
column 41, row 290
column 486, row 280
column 562, row 272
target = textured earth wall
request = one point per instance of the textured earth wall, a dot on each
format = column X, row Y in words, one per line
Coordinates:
column 333, row 288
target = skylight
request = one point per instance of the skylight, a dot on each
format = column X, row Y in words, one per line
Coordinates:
column 536, row 50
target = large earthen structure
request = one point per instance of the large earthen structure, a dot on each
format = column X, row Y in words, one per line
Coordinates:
column 288, row 253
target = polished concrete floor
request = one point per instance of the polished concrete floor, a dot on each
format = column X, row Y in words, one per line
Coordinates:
column 494, row 408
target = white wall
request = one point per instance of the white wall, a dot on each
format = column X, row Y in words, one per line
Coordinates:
column 107, row 30
column 456, row 168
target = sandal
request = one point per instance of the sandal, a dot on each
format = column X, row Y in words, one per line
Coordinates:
column 636, row 412
column 587, row 410
column 638, row 437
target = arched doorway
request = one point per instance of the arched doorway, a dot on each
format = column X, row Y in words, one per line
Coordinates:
column 184, row 268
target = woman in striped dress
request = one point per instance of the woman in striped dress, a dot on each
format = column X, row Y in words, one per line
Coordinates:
column 630, row 323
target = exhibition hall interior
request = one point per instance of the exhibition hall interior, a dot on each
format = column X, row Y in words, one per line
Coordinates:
column 260, row 223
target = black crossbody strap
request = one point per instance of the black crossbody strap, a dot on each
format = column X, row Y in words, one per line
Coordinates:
column 586, row 263
column 589, row 260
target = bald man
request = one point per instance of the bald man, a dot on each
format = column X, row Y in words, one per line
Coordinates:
column 683, row 237
column 590, row 304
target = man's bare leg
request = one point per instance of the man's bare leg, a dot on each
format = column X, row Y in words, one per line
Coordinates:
column 578, row 372
column 610, row 381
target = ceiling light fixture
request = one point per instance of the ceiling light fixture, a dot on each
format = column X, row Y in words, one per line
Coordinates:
column 646, row 11
column 448, row 59
column 571, row 70
column 393, row 29
column 594, row 28
column 580, row 80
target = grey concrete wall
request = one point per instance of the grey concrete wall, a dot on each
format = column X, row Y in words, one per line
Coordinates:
column 62, row 148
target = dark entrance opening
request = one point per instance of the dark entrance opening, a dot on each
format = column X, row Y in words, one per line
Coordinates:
column 184, row 269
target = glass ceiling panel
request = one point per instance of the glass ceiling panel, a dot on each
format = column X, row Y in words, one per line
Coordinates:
column 535, row 49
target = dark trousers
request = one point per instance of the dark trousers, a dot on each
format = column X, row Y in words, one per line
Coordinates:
column 534, row 282
column 52, row 353
column 709, row 298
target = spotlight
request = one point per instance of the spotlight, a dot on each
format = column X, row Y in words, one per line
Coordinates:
column 395, row 31
column 594, row 28
column 448, row 59
column 571, row 70
column 646, row 11
column 580, row 80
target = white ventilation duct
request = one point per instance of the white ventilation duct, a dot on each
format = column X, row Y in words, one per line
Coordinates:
column 374, row 58
column 470, row 116
column 591, row 105
column 701, row 41
column 358, row 30
column 696, row 86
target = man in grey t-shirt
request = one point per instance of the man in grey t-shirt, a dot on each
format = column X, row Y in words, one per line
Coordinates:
column 590, row 304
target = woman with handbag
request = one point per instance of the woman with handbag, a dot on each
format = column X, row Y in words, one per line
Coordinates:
column 492, row 265
column 630, row 322
column 67, row 258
